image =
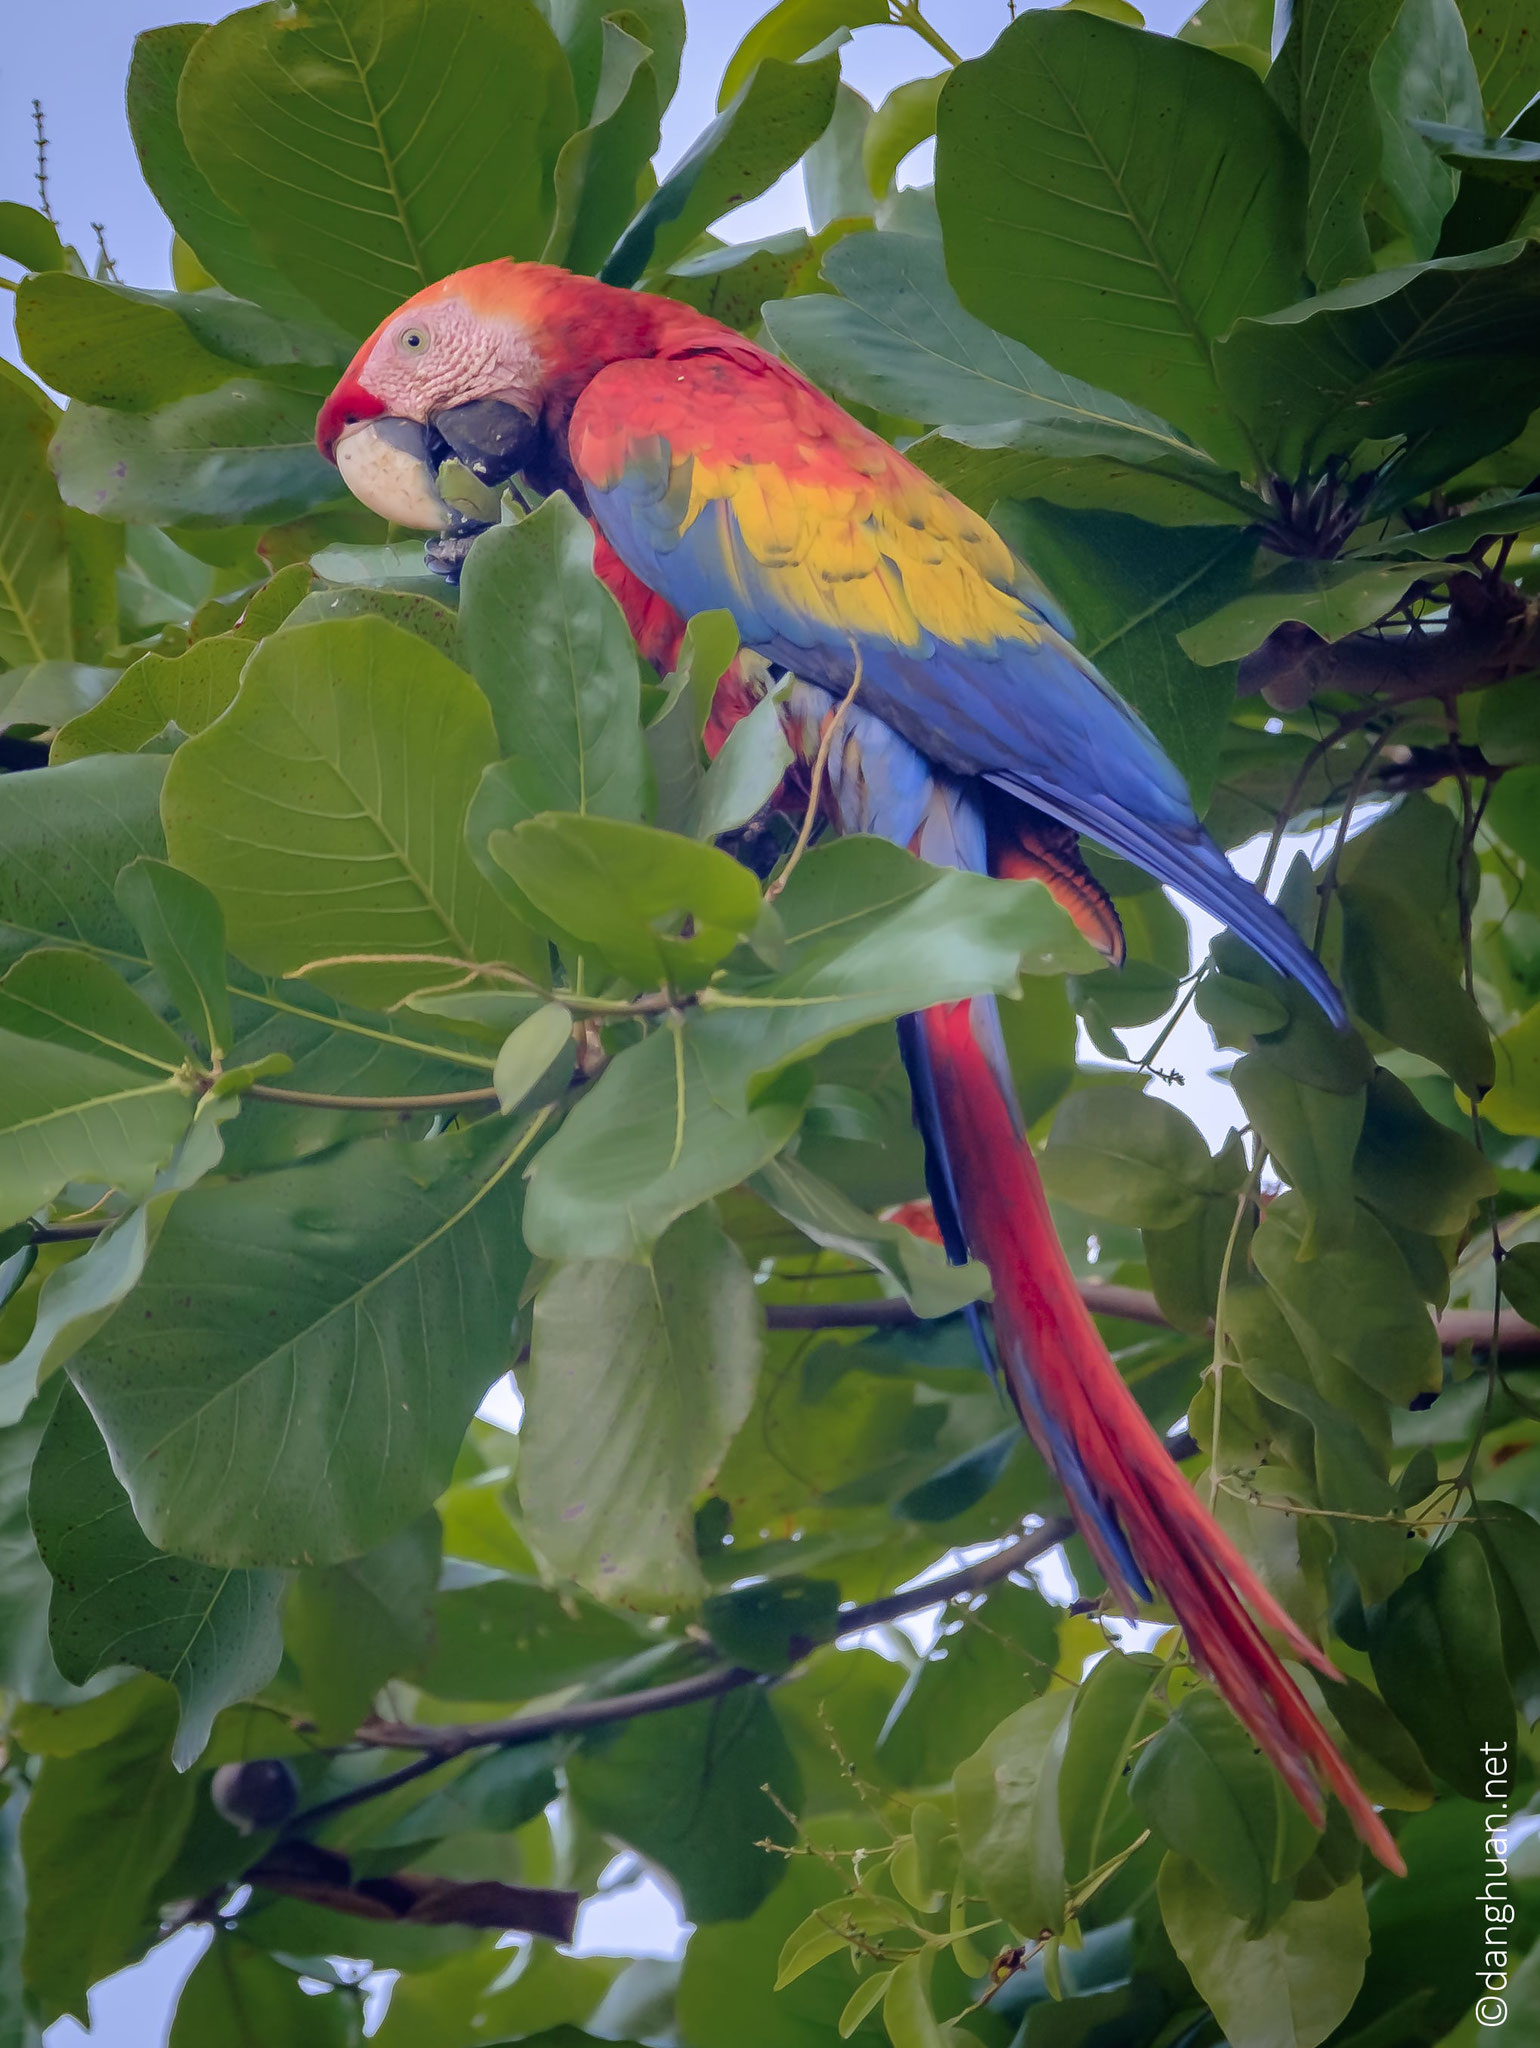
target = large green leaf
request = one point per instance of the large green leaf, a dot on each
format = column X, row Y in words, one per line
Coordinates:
column 1117, row 201
column 598, row 171
column 870, row 933
column 223, row 243
column 1008, row 1814
column 1506, row 51
column 1312, row 1135
column 293, row 1376
column 1422, row 72
column 1208, row 1793
column 579, row 26
column 34, row 562
column 1288, row 1988
column 404, row 104
column 1126, row 1156
column 548, row 645
column 1436, row 1647
column 790, row 30
column 1438, row 352
column 1321, row 79
column 67, row 1114
column 511, row 1639
column 237, row 1994
column 118, row 1600
column 186, row 691
column 118, row 1806
column 326, row 810
column 639, row 1378
column 243, row 452
column 1004, row 1649
column 27, row 1668
column 1332, row 598
column 777, row 114
column 741, row 1779
column 134, row 350
column 1113, row 1715
column 1132, row 589
column 656, row 907
column 349, row 1627
column 898, row 338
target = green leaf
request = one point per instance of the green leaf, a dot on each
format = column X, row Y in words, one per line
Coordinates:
column 244, row 452
column 69, row 1115
column 871, row 933
column 898, row 338
column 1312, row 1134
column 599, row 167
column 1355, row 1301
column 422, row 615
column 1126, row 1156
column 834, row 183
column 186, row 692
column 1436, row 1648
column 118, row 1600
column 29, row 238
column 405, row 108
column 821, row 1212
column 528, row 1054
column 579, row 26
column 790, row 30
column 321, row 1281
column 225, row 245
column 1415, row 1170
column 1321, row 79
column 906, row 118
column 734, row 282
column 639, row 1378
column 1514, row 1103
column 1400, row 981
column 184, row 939
column 733, row 1756
column 1211, row 1796
column 774, row 117
column 622, row 893
column 110, row 345
column 1007, row 1797
column 237, row 1995
column 120, row 1808
column 1113, row 1711
column 1519, row 1278
column 773, row 1626
column 1510, row 1541
column 906, row 2004
column 349, row 1627
column 503, row 1638
column 1437, row 352
column 725, row 1994
column 548, row 645
column 1131, row 588
column 27, row 1668
column 1048, row 229
column 1423, row 71
column 951, row 1702
column 1286, row 1989
column 1332, row 598
column 1507, row 56
column 67, row 998
column 48, row 693
column 34, row 563
column 325, row 810
column 745, row 774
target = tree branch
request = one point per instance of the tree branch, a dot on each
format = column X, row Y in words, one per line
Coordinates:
column 1515, row 1337
column 441, row 1743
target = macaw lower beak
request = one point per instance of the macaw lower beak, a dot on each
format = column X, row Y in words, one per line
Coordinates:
column 386, row 464
column 392, row 465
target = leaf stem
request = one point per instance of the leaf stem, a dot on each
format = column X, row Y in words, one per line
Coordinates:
column 831, row 726
column 307, row 1099
column 906, row 14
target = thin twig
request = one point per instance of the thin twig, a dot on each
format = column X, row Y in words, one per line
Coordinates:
column 41, row 174
column 815, row 790
column 306, row 1099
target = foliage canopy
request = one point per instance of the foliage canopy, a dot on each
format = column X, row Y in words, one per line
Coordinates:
column 391, row 997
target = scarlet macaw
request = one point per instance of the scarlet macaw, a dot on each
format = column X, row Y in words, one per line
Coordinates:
column 716, row 476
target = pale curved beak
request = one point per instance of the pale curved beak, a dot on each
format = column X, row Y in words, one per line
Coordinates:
column 384, row 463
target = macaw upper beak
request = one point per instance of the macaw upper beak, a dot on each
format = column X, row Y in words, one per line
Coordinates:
column 386, row 464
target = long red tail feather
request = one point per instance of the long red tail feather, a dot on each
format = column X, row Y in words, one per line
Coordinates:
column 1056, row 1366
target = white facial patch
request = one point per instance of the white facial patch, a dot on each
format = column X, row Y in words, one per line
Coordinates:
column 384, row 464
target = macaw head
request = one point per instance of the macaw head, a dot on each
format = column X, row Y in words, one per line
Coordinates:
column 483, row 366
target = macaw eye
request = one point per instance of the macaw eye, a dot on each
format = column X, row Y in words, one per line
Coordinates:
column 414, row 341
